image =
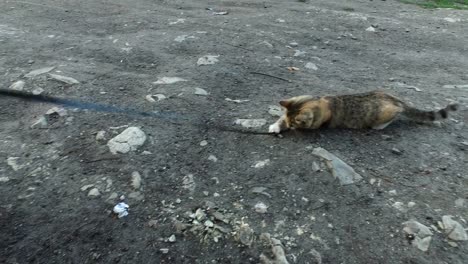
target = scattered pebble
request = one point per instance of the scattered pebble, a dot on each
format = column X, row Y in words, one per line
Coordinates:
column 396, row 151
column 392, row 192
column 213, row 158
column 261, row 164
column 37, row 72
column 94, row 192
column 153, row 223
column 260, row 208
column 460, row 202
column 86, row 187
column 245, row 234
column 136, row 180
column 138, row 196
column 339, row 169
column 260, row 190
column 18, row 86
column 37, row 91
column 279, row 20
column 41, row 122
column 315, row 167
column 169, row 80
column 60, row 111
column 311, row 66
column 64, row 79
column 188, row 183
column 101, row 135
column 411, row 204
column 159, row 97
column 236, row 100
column 4, row 179
column 113, row 196
column 129, row 140
column 182, row 38
column 279, row 256
column 299, row 53
column 13, row 163
column 370, row 29
column 172, row 239
column 452, row 20
column 200, row 91
column 293, row 44
column 422, row 233
column 275, row 110
column 399, row 206
column 164, row 250
column 208, row 223
column 207, row 60
column 292, row 69
column 203, row 143
column 251, row 123
column 454, row 229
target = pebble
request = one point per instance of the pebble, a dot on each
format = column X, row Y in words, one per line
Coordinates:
column 261, row 208
column 129, row 140
column 13, row 163
column 396, row 151
column 172, row 239
column 188, row 183
column 392, row 192
column 399, row 206
column 101, row 135
column 64, row 79
column 164, row 250
column 293, row 44
column 339, row 169
column 275, row 110
column 37, row 72
column 159, row 97
column 454, row 229
column 153, row 223
column 86, row 187
column 136, row 196
column 422, row 233
column 299, row 53
column 208, row 223
column 136, row 180
column 94, row 192
column 203, row 143
column 200, row 91
column 411, row 204
column 213, row 158
column 169, row 80
column 370, row 29
column 207, row 60
column 460, row 202
column 41, row 122
column 113, row 196
column 311, row 66
column 245, row 234
column 4, row 179
column 315, row 166
column 261, row 164
column 37, row 91
column 18, row 86
column 451, row 20
column 251, row 123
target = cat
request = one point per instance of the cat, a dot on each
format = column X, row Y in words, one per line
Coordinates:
column 374, row 110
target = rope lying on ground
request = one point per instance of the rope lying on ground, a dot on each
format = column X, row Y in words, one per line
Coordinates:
column 72, row 103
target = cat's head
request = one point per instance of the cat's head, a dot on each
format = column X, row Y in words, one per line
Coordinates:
column 299, row 111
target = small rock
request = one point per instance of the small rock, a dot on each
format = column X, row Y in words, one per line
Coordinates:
column 293, row 44
column 203, row 143
column 260, row 190
column 153, row 223
column 298, row 53
column 208, row 223
column 159, row 97
column 188, row 183
column 37, row 91
column 216, row 194
column 136, row 180
column 183, row 38
column 245, row 234
column 200, row 91
column 422, row 233
column 399, row 206
column 396, row 151
column 13, row 163
column 455, row 86
column 206, row 193
column 113, row 196
column 311, row 66
column 164, row 250
column 261, row 208
column 392, row 192
column 279, row 20
column 172, row 239
column 94, row 192
column 64, row 79
column 138, row 196
column 251, row 123
column 129, row 140
column 207, row 60
column 339, row 169
column 60, row 111
column 453, row 229
column 315, row 166
column 41, row 122
column 37, row 72
column 169, row 80
column 145, row 152
column 86, row 187
column 370, row 29
column 261, row 164
column 275, row 110
column 452, row 244
column 452, row 20
column 4, row 179
column 101, row 135
column 18, row 86
column 212, row 158
column 411, row 204
column 460, row 202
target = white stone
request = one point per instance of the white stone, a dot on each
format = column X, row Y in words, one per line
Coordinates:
column 18, row 85
column 251, row 123
column 203, row 143
column 86, row 187
column 299, row 53
column 37, row 91
column 159, row 97
column 339, row 169
column 261, row 208
column 138, row 196
column 399, row 206
column 13, row 163
column 213, row 158
column 311, row 66
column 37, row 72
column 169, row 80
column 207, row 60
column 411, row 204
column 4, row 179
column 452, row 20
column 183, row 38
column 41, row 122
column 200, row 91
column 129, row 140
column 64, row 79
column 136, row 180
column 94, row 192
column 261, row 164
column 57, row 110
column 370, row 29
column 422, row 233
column 172, row 239
column 453, row 229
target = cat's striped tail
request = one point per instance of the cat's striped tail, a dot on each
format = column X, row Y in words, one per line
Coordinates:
column 422, row 115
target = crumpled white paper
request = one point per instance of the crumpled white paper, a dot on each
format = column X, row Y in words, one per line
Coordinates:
column 121, row 209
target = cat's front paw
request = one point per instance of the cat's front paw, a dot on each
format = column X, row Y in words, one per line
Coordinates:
column 275, row 128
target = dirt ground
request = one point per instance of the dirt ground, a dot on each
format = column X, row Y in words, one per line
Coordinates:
column 198, row 200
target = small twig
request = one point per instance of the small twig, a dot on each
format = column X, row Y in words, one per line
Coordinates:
column 272, row 76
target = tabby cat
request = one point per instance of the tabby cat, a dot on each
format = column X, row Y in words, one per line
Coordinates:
column 374, row 110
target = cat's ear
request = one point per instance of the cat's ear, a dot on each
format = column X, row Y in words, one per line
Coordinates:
column 285, row 103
